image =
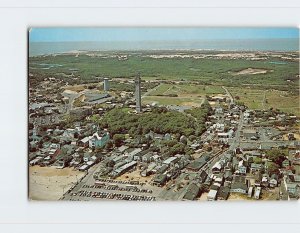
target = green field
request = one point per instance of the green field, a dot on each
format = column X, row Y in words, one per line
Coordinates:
column 217, row 71
column 206, row 76
column 163, row 100
column 187, row 89
column 254, row 99
column 184, row 94
column 283, row 101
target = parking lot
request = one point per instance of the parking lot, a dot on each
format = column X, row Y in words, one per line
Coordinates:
column 84, row 195
column 109, row 189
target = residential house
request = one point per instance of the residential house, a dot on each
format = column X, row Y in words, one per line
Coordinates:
column 257, row 193
column 162, row 169
column 241, row 168
column 198, row 163
column 250, row 191
column 228, row 157
column 223, row 193
column 134, row 154
column 258, row 178
column 147, row 158
column 71, row 133
column 217, row 167
column 122, row 148
column 64, row 162
column 239, row 187
column 87, row 156
column 265, row 180
column 292, row 188
column 160, row 180
column 297, row 178
column 273, row 181
column 219, row 178
column 215, row 186
column 228, row 176
column 171, row 161
column 212, row 195
column 235, row 163
column 84, row 142
column 202, row 176
column 256, row 167
column 286, row 163
column 192, row 192
column 228, row 166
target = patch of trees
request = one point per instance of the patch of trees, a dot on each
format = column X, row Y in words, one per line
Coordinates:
column 277, row 155
column 118, row 139
column 161, row 121
column 273, row 168
column 200, row 114
column 175, row 147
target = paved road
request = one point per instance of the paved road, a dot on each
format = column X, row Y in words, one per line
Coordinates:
column 85, row 180
column 234, row 144
column 229, row 95
column 72, row 97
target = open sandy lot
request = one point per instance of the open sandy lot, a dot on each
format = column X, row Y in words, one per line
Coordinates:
column 50, row 183
column 252, row 71
column 203, row 197
column 135, row 176
column 296, row 135
column 238, row 197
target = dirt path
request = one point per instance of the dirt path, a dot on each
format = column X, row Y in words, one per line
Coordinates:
column 229, row 95
column 150, row 91
column 263, row 102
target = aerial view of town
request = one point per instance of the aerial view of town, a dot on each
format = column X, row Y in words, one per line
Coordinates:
column 151, row 121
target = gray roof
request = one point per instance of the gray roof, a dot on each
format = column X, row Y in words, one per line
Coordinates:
column 228, row 174
column 256, row 165
column 191, row 192
column 239, row 185
column 160, row 178
column 223, row 192
column 198, row 163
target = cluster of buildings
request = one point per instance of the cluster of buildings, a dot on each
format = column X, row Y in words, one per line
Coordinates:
column 67, row 147
column 53, row 142
column 229, row 158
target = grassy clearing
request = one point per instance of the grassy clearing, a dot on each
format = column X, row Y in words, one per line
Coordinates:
column 164, row 100
column 184, row 90
column 283, row 101
column 161, row 89
column 254, row 99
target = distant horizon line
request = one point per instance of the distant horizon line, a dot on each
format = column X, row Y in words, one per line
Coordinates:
column 133, row 50
column 134, row 41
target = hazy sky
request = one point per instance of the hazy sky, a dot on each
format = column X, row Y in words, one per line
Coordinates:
column 156, row 34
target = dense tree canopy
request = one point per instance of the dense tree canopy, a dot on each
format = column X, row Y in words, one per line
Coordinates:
column 277, row 155
column 160, row 120
column 273, row 168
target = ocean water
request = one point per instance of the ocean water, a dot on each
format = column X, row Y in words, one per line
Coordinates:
column 42, row 48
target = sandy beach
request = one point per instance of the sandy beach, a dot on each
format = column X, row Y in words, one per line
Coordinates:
column 50, row 183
